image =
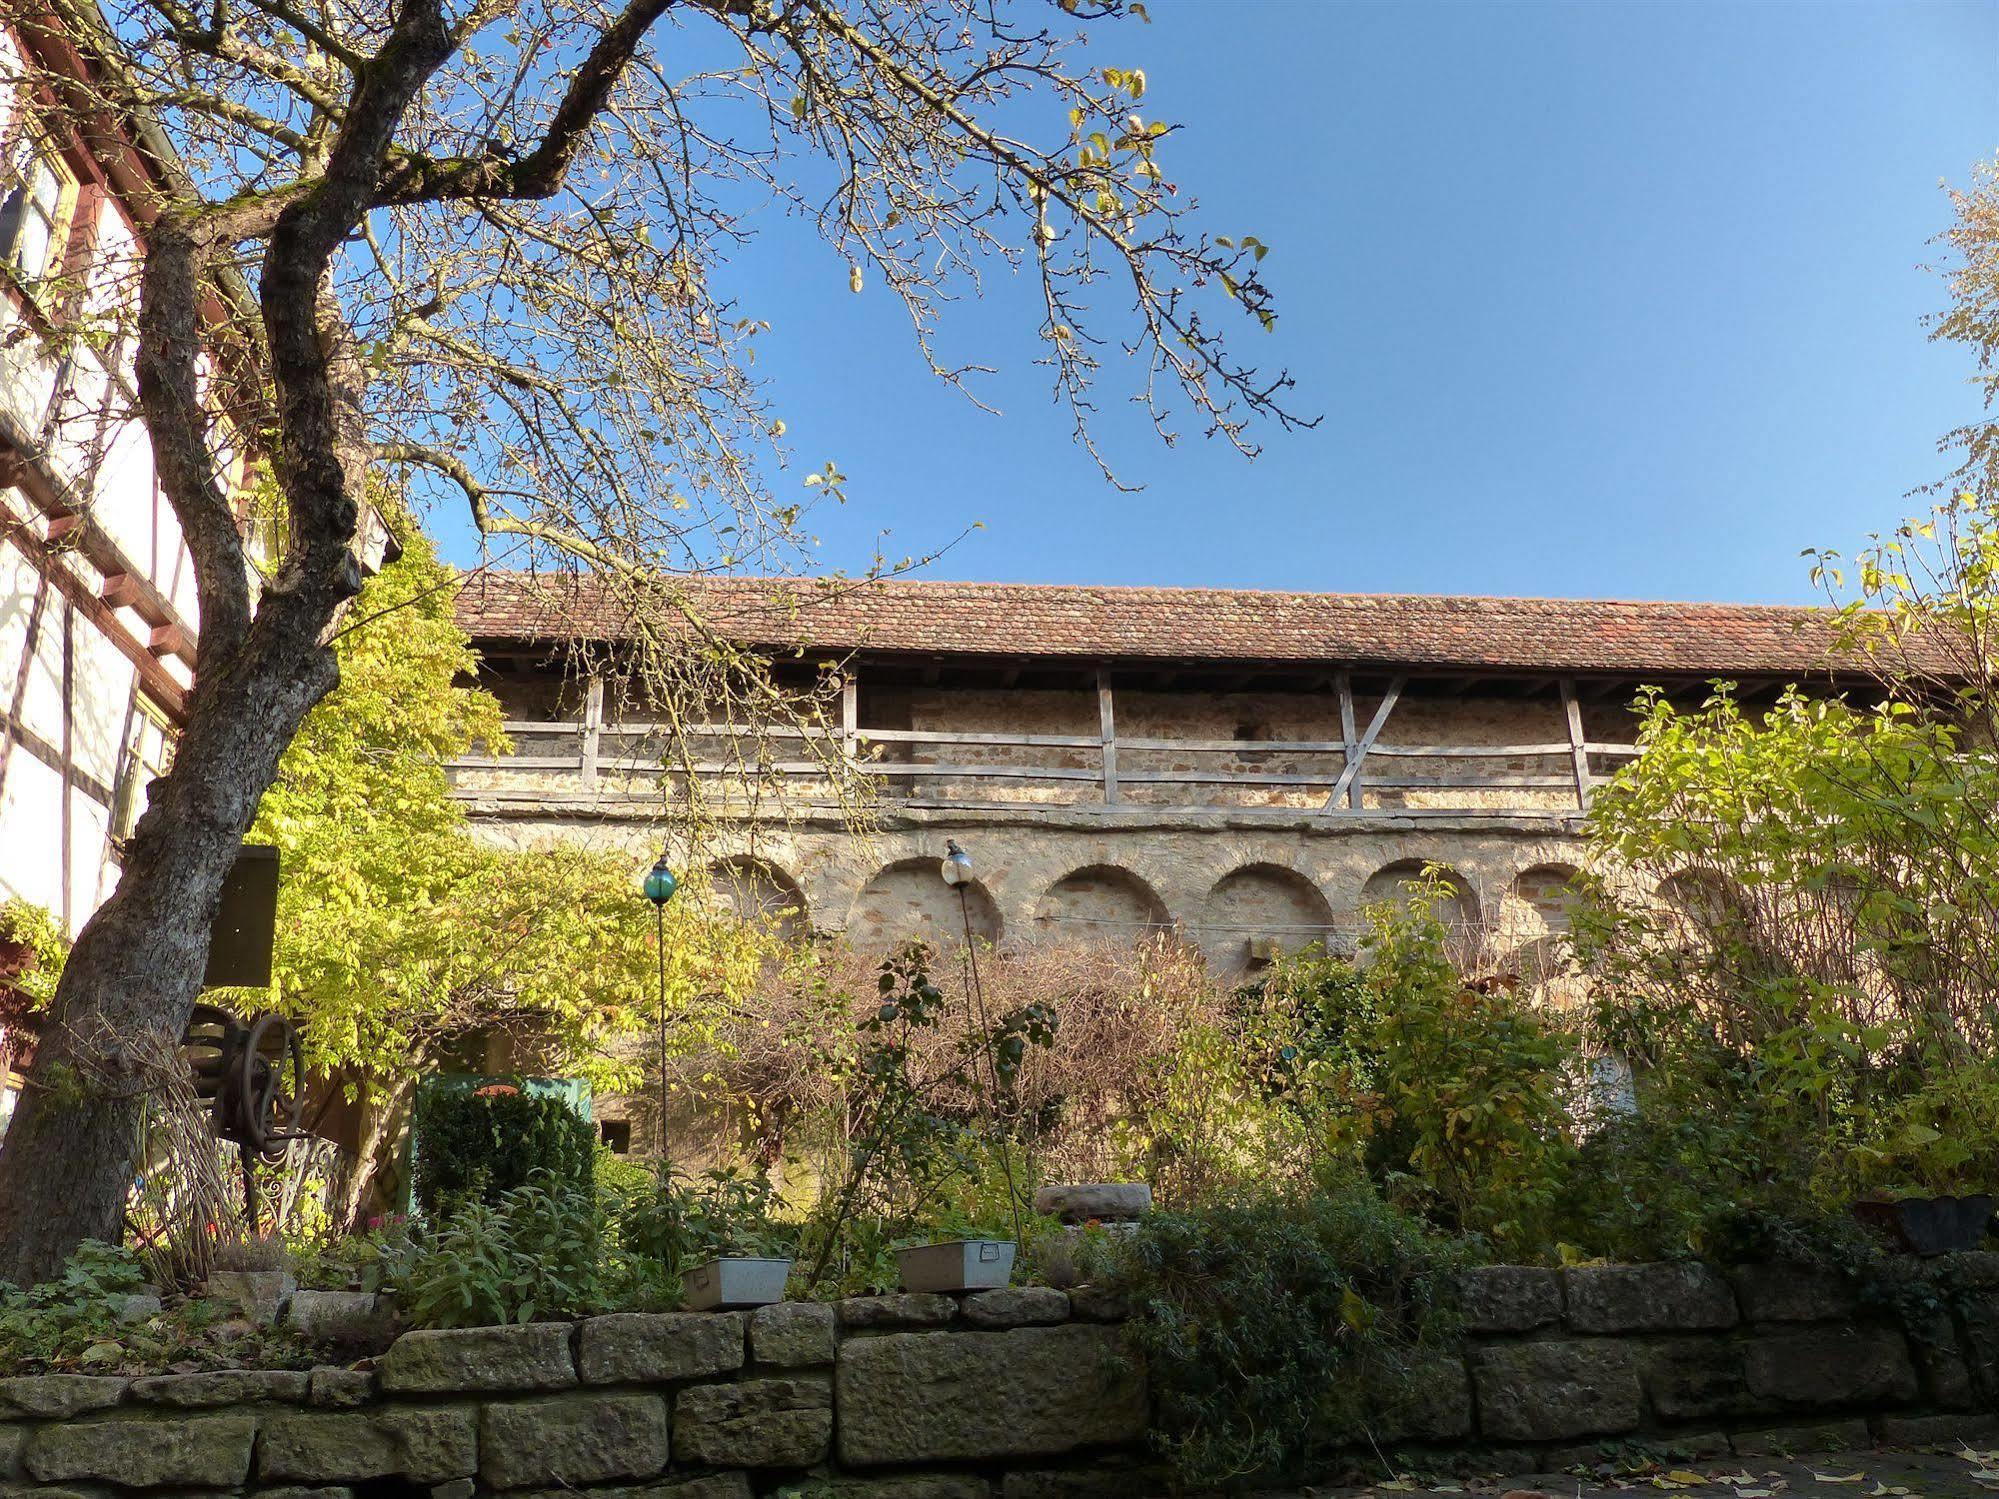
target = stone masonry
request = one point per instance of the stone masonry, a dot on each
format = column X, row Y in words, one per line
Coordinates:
column 1020, row 1393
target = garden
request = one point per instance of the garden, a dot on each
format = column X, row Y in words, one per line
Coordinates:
column 1787, row 936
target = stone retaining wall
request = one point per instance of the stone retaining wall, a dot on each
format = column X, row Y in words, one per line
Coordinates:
column 1009, row 1394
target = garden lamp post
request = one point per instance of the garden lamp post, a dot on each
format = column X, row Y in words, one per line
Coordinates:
column 659, row 887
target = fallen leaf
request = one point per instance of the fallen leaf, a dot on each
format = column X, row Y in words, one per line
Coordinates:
column 1837, row 1477
column 1686, row 1475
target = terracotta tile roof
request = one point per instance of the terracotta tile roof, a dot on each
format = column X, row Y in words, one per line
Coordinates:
column 1013, row 620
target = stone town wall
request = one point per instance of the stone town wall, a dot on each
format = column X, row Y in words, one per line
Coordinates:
column 1011, row 1394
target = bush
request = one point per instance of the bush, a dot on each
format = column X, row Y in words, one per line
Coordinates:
column 539, row 1251
column 480, row 1144
column 1279, row 1326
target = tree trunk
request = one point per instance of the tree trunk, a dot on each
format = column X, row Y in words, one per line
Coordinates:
column 70, row 1154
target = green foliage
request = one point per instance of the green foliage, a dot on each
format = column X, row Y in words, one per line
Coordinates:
column 78, row 1322
column 48, row 949
column 682, row 1224
column 398, row 933
column 480, row 1144
column 536, row 1251
column 1280, row 1325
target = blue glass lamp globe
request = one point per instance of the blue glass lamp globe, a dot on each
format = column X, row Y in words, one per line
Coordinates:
column 660, row 883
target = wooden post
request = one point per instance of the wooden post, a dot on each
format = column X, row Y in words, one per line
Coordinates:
column 1348, row 784
column 850, row 721
column 1348, row 733
column 1107, row 721
column 1578, row 746
column 593, row 728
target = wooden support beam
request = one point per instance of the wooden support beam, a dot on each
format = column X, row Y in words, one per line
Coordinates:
column 850, row 718
column 593, row 729
column 121, row 590
column 65, row 528
column 1107, row 720
column 1349, row 782
column 1578, row 745
column 1349, row 734
column 171, row 640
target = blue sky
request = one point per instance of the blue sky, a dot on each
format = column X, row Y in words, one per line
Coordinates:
column 1594, row 299
column 1611, row 299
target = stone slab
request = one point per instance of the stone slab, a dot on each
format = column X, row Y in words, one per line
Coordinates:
column 793, row 1334
column 57, row 1397
column 353, row 1321
column 461, row 1360
column 1550, row 1391
column 1684, row 1297
column 1100, row 1202
column 566, row 1440
column 1509, row 1298
column 1792, row 1293
column 911, row 1309
column 758, row 1423
column 1829, row 1366
column 426, row 1444
column 1016, row 1306
column 1952, row 1428
column 1695, row 1379
column 656, row 1347
column 950, row 1396
column 198, row 1452
column 340, row 1388
column 223, row 1387
column 1822, row 1436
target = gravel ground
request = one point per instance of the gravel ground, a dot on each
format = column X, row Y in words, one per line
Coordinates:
column 1948, row 1471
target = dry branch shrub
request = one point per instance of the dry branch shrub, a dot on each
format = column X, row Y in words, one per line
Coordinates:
column 1122, row 1010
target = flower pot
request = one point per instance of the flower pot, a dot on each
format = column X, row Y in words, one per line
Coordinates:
column 1930, row 1225
column 735, row 1282
column 960, row 1265
column 16, row 958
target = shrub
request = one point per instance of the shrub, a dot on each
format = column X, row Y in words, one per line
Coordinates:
column 539, row 1251
column 1280, row 1325
column 480, row 1144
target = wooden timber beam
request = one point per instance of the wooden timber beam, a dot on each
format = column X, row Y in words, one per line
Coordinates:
column 1349, row 781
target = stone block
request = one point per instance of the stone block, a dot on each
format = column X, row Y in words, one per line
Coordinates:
column 1016, row 1306
column 1981, row 1346
column 654, row 1347
column 1028, row 1392
column 257, row 1294
column 567, row 1440
column 425, row 1444
column 1828, row 1366
column 353, row 1321
column 1100, row 1202
column 1546, row 1392
column 1509, row 1298
column 707, row 1486
column 1081, row 1483
column 296, row 1491
column 1792, row 1293
column 908, row 1486
column 337, row 1388
column 1431, row 1404
column 1969, row 1269
column 1941, row 1372
column 137, row 1306
column 1695, row 1379
column 196, row 1452
column 1820, row 1436
column 57, row 1397
column 1647, row 1298
column 912, row 1309
column 1098, row 1303
column 12, row 1439
column 455, row 1360
column 224, row 1387
column 759, row 1423
column 458, row 1488
column 1951, row 1428
column 792, row 1334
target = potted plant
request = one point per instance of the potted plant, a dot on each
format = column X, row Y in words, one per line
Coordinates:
column 956, row 1265
column 721, row 1235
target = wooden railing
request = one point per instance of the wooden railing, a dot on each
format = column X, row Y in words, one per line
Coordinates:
column 1356, row 774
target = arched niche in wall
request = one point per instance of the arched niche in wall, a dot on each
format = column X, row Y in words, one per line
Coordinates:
column 1261, row 908
column 908, row 901
column 1100, row 903
column 1705, row 903
column 1538, row 903
column 1457, row 908
column 758, row 891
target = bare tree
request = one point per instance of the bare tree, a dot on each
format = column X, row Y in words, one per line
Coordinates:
column 480, row 240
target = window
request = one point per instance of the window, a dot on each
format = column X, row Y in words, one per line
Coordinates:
column 37, row 194
column 616, row 1135
column 147, row 756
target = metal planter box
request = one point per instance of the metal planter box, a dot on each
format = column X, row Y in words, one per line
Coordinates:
column 735, row 1282
column 961, row 1265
